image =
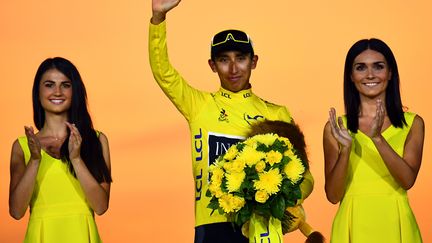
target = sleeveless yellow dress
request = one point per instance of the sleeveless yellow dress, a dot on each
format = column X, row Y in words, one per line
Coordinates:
column 375, row 208
column 59, row 212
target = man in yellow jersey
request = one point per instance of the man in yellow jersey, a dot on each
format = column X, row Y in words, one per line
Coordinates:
column 218, row 119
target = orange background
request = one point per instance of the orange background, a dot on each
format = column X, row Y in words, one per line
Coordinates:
column 301, row 44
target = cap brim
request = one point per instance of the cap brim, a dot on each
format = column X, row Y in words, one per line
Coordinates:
column 231, row 46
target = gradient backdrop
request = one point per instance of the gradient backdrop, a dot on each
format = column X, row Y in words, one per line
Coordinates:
column 301, row 44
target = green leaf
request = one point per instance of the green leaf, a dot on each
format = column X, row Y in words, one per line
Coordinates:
column 263, row 208
column 240, row 146
column 243, row 215
column 262, row 147
column 224, row 185
column 286, row 187
column 208, row 193
column 279, row 146
column 278, row 207
column 214, row 204
column 297, row 193
column 291, row 203
column 284, row 161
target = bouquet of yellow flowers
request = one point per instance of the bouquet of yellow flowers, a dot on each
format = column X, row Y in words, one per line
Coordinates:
column 260, row 176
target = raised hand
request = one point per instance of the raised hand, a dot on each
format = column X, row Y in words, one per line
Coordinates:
column 378, row 121
column 33, row 143
column 74, row 142
column 339, row 132
column 160, row 8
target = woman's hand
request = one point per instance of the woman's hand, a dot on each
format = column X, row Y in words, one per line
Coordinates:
column 378, row 121
column 339, row 132
column 337, row 147
column 33, row 143
column 74, row 142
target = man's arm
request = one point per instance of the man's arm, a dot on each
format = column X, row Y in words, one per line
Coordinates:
column 187, row 99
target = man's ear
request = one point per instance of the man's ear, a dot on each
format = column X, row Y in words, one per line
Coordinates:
column 254, row 61
column 212, row 65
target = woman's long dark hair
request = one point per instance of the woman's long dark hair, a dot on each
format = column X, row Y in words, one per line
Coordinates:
column 393, row 100
column 91, row 148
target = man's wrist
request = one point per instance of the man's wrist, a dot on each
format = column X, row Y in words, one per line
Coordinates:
column 158, row 18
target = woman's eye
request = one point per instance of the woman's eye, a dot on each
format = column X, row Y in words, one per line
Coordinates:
column 379, row 66
column 66, row 85
column 360, row 67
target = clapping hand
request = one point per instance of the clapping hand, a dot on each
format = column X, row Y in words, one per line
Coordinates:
column 378, row 120
column 339, row 132
column 74, row 142
column 33, row 143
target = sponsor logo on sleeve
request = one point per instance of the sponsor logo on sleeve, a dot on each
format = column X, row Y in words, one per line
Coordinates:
column 250, row 119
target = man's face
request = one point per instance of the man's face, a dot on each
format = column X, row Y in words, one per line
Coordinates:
column 234, row 69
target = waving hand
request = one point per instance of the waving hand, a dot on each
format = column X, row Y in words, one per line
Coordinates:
column 160, row 8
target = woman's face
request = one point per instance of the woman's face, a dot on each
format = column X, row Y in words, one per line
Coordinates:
column 55, row 92
column 370, row 74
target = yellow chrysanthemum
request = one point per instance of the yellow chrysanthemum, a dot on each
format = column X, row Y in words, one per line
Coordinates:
column 228, row 166
column 217, row 164
column 235, row 166
column 231, row 153
column 215, row 190
column 261, row 196
column 230, row 203
column 267, row 139
column 238, row 202
column 234, row 180
column 287, row 142
column 250, row 155
column 251, row 142
column 289, row 153
column 217, row 175
column 260, row 166
column 273, row 157
column 294, row 169
column 269, row 181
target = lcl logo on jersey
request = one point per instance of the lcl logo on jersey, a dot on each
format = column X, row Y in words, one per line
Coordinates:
column 251, row 119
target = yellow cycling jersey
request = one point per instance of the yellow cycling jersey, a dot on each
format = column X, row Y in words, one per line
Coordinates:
column 216, row 120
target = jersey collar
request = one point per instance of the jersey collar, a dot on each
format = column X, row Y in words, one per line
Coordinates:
column 242, row 94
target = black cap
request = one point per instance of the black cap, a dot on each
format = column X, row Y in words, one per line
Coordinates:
column 231, row 40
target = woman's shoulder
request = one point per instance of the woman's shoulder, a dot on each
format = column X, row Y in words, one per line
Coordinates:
column 411, row 118
column 418, row 121
column 20, row 147
column 101, row 136
column 21, row 141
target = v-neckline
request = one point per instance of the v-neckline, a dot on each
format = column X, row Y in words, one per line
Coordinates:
column 383, row 132
column 46, row 152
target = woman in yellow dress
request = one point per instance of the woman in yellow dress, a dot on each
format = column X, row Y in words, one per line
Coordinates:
column 62, row 171
column 373, row 153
